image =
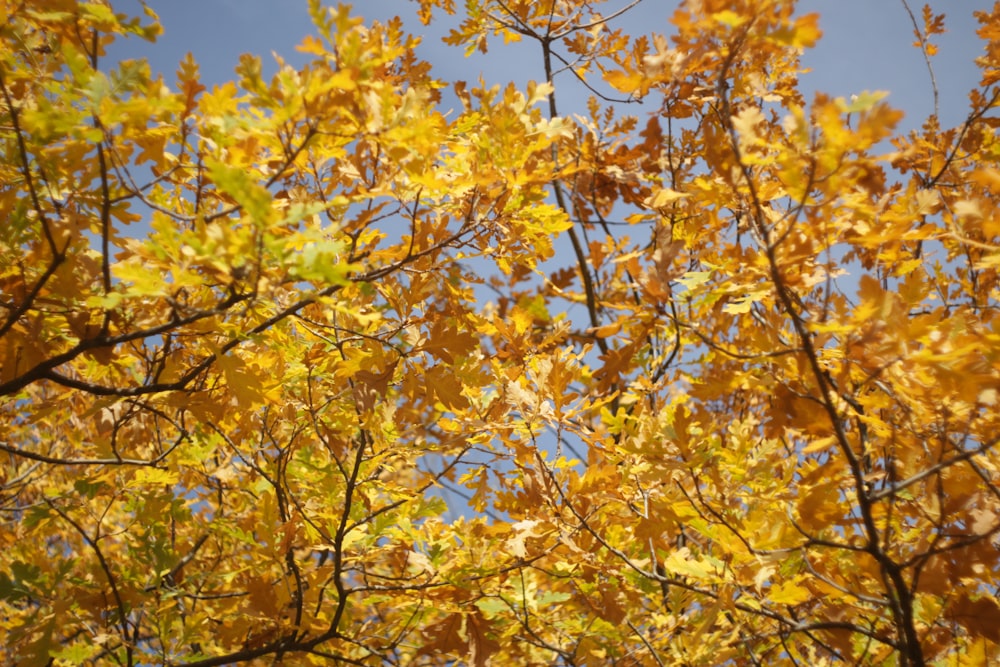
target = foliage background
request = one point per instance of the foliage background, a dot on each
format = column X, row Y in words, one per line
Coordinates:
column 299, row 367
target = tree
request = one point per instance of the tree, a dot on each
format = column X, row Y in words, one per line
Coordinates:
column 257, row 340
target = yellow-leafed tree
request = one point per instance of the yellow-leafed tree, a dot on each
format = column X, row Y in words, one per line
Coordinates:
column 304, row 369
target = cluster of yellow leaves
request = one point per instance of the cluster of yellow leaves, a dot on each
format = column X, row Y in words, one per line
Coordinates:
column 260, row 342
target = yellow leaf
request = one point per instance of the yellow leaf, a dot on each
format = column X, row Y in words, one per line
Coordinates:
column 663, row 198
column 966, row 208
column 607, row 329
column 739, row 307
column 803, row 34
column 446, row 387
column 928, row 201
column 311, row 45
column 788, row 593
column 150, row 476
column 246, row 387
column 988, row 177
column 746, row 123
column 729, row 18
column 522, row 531
column 681, row 562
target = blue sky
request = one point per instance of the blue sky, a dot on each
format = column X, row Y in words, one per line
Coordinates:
column 866, row 45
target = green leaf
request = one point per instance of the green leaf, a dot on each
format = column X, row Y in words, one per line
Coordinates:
column 11, row 590
column 99, row 13
column 553, row 597
column 862, row 101
column 77, row 653
column 321, row 263
column 250, row 195
column 87, row 488
column 35, row 515
column 492, row 607
column 694, row 279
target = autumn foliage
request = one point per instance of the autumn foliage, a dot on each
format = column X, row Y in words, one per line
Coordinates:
column 303, row 369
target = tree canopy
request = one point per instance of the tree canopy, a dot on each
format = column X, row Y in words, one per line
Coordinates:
column 304, row 369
